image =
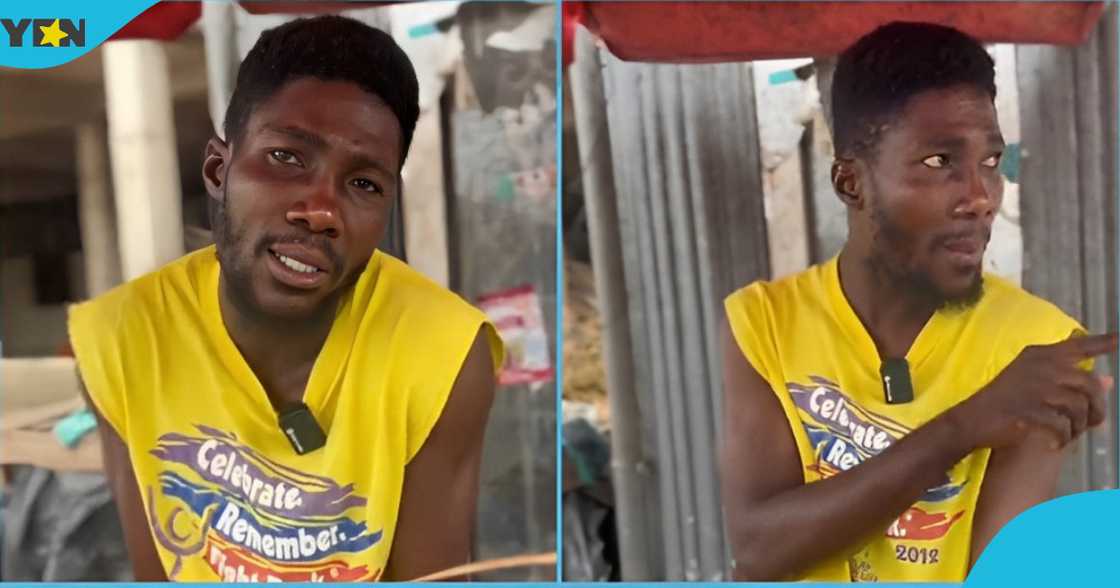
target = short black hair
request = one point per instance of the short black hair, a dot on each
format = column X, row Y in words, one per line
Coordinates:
column 876, row 76
column 329, row 48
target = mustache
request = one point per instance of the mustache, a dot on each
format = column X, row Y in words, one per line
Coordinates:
column 982, row 234
column 319, row 242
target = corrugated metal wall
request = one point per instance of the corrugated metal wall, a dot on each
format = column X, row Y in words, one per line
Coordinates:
column 1068, row 200
column 684, row 145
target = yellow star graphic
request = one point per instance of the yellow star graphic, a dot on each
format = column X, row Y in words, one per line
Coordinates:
column 52, row 34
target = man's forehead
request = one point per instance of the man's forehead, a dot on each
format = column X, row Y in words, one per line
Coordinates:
column 313, row 95
column 948, row 115
column 341, row 112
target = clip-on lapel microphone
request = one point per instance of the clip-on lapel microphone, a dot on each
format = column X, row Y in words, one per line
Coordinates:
column 895, row 373
column 301, row 429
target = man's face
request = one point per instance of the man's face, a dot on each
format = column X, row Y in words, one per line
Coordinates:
column 933, row 189
column 306, row 196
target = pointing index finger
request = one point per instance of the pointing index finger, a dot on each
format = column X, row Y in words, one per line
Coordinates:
column 1086, row 346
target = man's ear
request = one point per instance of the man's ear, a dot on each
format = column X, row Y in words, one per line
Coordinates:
column 215, row 158
column 847, row 181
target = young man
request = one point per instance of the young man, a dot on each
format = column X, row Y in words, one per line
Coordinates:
column 293, row 404
column 888, row 411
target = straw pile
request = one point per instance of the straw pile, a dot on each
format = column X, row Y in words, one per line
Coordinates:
column 585, row 379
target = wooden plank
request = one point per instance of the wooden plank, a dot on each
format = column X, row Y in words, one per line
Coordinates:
column 43, row 450
column 38, row 414
column 27, row 382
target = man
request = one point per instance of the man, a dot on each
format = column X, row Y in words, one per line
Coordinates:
column 293, row 404
column 888, row 411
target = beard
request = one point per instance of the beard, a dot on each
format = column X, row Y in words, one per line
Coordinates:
column 890, row 249
column 235, row 259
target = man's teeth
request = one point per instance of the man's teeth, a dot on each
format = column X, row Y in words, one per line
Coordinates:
column 302, row 268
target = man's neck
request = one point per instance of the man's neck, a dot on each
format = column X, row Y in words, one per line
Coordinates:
column 280, row 353
column 892, row 316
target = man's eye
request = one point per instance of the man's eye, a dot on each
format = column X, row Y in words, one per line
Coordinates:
column 366, row 185
column 936, row 161
column 992, row 161
column 284, row 156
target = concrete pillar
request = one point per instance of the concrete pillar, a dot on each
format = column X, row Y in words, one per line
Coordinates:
column 95, row 204
column 219, row 32
column 144, row 158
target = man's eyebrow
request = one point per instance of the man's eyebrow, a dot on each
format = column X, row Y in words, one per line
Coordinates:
column 363, row 161
column 298, row 134
column 950, row 143
column 311, row 138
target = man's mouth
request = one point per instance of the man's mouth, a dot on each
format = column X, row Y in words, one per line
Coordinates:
column 294, row 265
column 967, row 246
column 298, row 266
column 966, row 250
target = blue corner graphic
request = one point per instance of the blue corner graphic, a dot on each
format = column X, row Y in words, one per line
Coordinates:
column 48, row 33
column 1070, row 541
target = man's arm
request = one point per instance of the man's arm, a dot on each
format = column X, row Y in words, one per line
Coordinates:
column 777, row 524
column 146, row 565
column 1018, row 477
column 440, row 495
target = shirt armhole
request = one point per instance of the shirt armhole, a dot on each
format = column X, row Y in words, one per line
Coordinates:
column 442, row 388
column 93, row 369
column 751, row 332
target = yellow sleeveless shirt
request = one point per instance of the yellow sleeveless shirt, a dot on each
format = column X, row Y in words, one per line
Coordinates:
column 227, row 497
column 804, row 339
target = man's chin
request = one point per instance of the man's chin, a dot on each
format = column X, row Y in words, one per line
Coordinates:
column 294, row 306
column 967, row 297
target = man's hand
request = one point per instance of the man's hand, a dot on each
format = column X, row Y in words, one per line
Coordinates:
column 1024, row 466
column 1042, row 389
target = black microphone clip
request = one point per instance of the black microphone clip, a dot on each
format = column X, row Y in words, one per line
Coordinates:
column 301, row 429
column 895, row 373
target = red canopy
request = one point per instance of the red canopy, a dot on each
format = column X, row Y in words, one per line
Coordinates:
column 706, row 32
column 305, row 7
column 164, row 21
column 167, row 20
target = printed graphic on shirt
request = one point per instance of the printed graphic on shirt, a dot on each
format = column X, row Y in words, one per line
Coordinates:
column 844, row 435
column 860, row 568
column 252, row 519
